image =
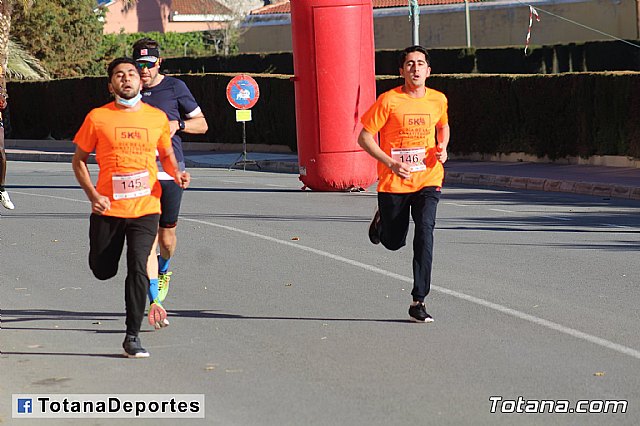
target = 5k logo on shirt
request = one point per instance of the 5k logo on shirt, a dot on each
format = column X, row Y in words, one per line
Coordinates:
column 411, row 120
column 131, row 134
column 416, row 126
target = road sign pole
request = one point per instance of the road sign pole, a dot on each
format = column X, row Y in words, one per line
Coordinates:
column 244, row 146
column 242, row 94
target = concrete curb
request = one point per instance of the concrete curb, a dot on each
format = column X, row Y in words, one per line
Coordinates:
column 45, row 157
column 466, row 178
column 66, row 157
column 542, row 184
column 257, row 165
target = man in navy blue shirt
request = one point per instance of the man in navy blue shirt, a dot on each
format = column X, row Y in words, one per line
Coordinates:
column 172, row 96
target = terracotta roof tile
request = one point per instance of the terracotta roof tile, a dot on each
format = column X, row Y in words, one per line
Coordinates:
column 278, row 7
column 284, row 6
column 199, row 7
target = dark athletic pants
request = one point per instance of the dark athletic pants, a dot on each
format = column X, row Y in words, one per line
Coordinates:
column 394, row 226
column 107, row 235
column 3, row 159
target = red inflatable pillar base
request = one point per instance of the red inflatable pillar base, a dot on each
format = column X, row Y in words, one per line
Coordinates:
column 334, row 62
column 329, row 172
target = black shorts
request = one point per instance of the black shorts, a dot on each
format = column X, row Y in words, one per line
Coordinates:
column 107, row 235
column 170, row 201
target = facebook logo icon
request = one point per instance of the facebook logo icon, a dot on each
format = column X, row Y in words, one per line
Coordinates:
column 24, row 405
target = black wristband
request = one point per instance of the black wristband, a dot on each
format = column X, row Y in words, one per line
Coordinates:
column 181, row 125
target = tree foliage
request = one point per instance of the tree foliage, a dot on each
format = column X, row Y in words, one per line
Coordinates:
column 225, row 40
column 63, row 34
column 23, row 66
column 242, row 6
column 66, row 35
column 171, row 44
column 6, row 11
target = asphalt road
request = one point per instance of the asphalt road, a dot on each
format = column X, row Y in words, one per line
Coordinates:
column 283, row 313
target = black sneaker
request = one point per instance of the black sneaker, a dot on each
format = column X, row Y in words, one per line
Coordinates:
column 133, row 348
column 374, row 228
column 418, row 313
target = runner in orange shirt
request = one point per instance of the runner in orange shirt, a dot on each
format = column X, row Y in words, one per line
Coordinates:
column 125, row 203
column 414, row 133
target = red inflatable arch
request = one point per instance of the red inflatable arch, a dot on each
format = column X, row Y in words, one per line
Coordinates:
column 334, row 66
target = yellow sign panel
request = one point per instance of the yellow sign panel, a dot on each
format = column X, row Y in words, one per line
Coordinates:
column 243, row 115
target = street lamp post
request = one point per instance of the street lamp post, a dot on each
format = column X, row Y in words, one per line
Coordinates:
column 414, row 15
column 467, row 22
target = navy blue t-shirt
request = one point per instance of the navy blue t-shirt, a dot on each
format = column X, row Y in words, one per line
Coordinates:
column 173, row 97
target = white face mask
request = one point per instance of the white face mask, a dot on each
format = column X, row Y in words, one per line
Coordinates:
column 128, row 102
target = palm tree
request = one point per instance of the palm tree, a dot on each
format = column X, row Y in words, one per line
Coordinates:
column 24, row 66
column 6, row 7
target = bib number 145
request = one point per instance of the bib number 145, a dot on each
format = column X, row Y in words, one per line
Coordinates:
column 130, row 185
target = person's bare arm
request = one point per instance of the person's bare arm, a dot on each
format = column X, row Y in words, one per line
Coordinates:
column 196, row 125
column 170, row 165
column 443, row 134
column 99, row 203
column 367, row 142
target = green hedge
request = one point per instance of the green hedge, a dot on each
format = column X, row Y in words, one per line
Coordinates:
column 53, row 109
column 260, row 63
column 555, row 115
column 56, row 109
column 585, row 57
column 200, row 57
column 172, row 44
column 273, row 117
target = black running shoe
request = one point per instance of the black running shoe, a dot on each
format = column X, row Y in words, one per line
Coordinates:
column 133, row 348
column 374, row 228
column 418, row 313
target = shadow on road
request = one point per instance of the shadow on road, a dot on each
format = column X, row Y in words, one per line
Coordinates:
column 57, row 315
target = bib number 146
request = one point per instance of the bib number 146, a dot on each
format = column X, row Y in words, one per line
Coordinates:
column 413, row 157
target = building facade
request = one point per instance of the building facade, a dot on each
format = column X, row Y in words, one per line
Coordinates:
column 166, row 16
column 443, row 23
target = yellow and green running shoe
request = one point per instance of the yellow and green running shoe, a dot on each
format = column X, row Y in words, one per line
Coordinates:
column 163, row 285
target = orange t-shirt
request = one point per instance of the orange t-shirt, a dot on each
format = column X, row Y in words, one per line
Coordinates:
column 408, row 123
column 125, row 144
